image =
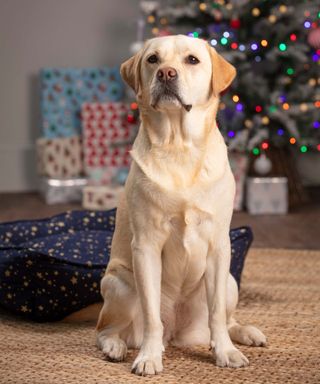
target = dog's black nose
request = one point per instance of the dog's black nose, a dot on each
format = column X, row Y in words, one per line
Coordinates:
column 166, row 74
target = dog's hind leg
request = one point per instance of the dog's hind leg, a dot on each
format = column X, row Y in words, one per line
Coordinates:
column 242, row 334
column 116, row 315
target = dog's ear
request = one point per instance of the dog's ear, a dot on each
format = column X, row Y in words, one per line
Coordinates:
column 130, row 71
column 223, row 72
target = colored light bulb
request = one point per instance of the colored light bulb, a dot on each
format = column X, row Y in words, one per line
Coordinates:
column 282, row 47
column 256, row 12
column 292, row 140
column 307, row 24
column 280, row 131
column 224, row 41
column 239, row 107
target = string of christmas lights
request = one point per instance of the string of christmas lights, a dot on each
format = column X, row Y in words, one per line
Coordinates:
column 275, row 47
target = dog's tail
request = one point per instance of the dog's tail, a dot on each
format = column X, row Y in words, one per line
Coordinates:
column 87, row 314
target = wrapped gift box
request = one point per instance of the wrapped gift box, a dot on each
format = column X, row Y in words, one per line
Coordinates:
column 60, row 158
column 64, row 90
column 106, row 176
column 56, row 191
column 101, row 197
column 267, row 195
column 107, row 138
column 102, row 166
column 239, row 167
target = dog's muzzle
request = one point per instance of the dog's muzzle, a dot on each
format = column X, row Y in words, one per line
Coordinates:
column 167, row 87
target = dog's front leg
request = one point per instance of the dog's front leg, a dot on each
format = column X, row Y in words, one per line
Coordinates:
column 146, row 254
column 218, row 263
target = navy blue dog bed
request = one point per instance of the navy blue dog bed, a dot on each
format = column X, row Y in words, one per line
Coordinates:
column 52, row 267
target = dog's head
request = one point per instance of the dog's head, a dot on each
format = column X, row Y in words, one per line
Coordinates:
column 177, row 71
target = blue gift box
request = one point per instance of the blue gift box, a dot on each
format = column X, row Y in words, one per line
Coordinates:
column 63, row 90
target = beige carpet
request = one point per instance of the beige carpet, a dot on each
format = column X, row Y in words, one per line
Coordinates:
column 280, row 294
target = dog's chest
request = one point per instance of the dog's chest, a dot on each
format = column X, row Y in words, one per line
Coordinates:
column 185, row 252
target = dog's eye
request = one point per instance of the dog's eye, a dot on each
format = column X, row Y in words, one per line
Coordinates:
column 152, row 59
column 192, row 60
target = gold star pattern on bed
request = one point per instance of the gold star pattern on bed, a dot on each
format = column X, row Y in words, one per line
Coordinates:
column 52, row 267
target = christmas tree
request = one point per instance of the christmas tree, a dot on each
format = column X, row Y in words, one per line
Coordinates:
column 275, row 47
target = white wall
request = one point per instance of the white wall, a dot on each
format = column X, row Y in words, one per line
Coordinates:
column 40, row 33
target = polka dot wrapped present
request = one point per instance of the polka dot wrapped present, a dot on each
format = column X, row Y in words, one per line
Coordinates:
column 60, row 158
column 107, row 139
column 64, row 90
column 52, row 267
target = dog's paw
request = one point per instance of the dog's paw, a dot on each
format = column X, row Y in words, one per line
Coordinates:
column 248, row 335
column 147, row 365
column 231, row 358
column 114, row 349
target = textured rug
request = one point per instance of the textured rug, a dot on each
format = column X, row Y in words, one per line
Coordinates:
column 280, row 294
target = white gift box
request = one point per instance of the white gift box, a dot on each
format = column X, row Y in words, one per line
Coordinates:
column 101, row 197
column 267, row 195
column 57, row 191
column 60, row 158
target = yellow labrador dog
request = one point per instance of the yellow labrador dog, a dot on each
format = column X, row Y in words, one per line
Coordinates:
column 168, row 279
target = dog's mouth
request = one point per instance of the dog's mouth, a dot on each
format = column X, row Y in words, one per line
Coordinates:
column 168, row 93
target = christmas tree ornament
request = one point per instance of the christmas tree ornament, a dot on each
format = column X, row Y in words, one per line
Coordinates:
column 235, row 23
column 135, row 47
column 217, row 15
column 149, row 6
column 164, row 32
column 262, row 165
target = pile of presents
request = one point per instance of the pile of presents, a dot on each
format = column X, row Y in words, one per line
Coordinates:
column 87, row 132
